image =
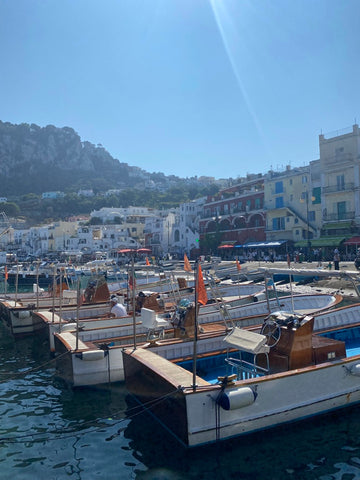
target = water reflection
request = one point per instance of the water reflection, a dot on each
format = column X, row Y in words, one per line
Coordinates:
column 51, row 431
column 313, row 449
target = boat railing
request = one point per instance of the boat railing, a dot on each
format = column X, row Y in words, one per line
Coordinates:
column 245, row 370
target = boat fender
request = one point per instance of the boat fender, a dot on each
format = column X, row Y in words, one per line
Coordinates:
column 241, row 397
column 259, row 296
column 355, row 369
column 68, row 326
column 92, row 355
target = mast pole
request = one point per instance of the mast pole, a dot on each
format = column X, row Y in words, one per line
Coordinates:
column 196, row 273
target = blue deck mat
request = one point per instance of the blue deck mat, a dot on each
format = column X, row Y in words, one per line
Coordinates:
column 211, row 368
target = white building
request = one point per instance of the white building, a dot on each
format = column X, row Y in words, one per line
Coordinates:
column 176, row 231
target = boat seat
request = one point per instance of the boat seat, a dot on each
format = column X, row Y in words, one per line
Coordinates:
column 153, row 322
column 247, row 341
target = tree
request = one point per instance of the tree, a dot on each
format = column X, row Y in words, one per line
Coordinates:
column 11, row 209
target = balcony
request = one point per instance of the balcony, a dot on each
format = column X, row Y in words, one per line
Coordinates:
column 346, row 187
column 336, row 217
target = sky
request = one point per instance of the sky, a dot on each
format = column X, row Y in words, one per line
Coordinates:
column 220, row 88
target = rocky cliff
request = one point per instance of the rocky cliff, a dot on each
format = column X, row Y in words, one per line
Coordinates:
column 36, row 159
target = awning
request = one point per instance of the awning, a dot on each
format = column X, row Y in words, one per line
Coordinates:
column 226, row 246
column 321, row 242
column 352, row 241
column 263, row 244
column 336, row 226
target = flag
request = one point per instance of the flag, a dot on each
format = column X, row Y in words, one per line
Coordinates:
column 147, row 261
column 201, row 290
column 6, row 273
column 187, row 266
column 238, row 266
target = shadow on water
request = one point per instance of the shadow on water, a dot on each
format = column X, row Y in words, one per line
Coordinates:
column 325, row 448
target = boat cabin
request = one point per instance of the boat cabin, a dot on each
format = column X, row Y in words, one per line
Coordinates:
column 285, row 342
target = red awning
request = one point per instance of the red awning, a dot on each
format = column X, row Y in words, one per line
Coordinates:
column 352, row 241
column 226, row 246
column 134, row 250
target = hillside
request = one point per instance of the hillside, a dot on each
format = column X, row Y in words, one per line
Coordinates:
column 35, row 159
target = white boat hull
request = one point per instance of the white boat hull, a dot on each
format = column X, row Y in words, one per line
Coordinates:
column 279, row 400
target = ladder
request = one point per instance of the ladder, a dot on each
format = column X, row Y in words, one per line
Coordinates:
column 220, row 303
column 174, row 286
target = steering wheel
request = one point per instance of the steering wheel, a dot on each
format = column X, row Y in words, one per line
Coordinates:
column 272, row 332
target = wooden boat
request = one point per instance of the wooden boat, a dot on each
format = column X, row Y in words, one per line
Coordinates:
column 168, row 336
column 259, row 379
column 16, row 311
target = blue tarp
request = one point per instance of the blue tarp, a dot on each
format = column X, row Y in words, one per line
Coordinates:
column 262, row 244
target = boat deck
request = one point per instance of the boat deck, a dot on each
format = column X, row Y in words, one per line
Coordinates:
column 213, row 367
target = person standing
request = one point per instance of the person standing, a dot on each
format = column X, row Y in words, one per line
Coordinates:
column 336, row 259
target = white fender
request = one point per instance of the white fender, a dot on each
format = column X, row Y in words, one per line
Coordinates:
column 259, row 297
column 68, row 327
column 92, row 355
column 233, row 399
column 355, row 369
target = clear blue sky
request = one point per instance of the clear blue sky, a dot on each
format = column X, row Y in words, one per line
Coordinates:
column 185, row 87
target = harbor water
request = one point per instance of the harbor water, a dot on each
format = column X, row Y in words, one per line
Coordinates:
column 50, row 431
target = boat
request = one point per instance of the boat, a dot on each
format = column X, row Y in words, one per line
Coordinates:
column 40, row 273
column 169, row 334
column 290, row 368
column 17, row 310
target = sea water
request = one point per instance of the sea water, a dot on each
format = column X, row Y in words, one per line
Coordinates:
column 50, row 431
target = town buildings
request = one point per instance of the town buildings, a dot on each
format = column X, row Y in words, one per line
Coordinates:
column 302, row 208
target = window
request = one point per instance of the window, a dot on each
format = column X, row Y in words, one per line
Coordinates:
column 340, row 182
column 257, row 203
column 304, row 179
column 341, row 210
column 279, row 188
column 279, row 202
column 278, row 223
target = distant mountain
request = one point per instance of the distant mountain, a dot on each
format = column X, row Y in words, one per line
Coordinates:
column 35, row 160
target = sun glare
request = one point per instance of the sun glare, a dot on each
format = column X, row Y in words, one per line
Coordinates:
column 231, row 40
